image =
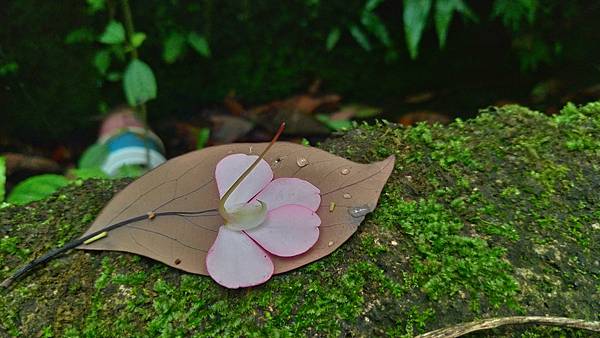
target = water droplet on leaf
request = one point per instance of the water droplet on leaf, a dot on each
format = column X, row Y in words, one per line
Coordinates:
column 302, row 162
column 358, row 211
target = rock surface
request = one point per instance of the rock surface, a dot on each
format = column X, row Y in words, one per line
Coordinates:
column 495, row 216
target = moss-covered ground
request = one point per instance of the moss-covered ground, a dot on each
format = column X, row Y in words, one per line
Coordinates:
column 499, row 215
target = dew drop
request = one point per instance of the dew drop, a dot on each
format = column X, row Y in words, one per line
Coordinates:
column 358, row 211
column 345, row 171
column 347, row 196
column 301, row 162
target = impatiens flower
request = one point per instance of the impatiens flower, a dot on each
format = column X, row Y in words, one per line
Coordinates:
column 263, row 217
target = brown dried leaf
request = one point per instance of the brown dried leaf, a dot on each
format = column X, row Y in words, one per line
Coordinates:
column 349, row 190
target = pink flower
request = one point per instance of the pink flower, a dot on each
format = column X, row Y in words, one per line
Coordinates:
column 288, row 225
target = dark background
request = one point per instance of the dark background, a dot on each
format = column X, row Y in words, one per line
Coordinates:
column 266, row 50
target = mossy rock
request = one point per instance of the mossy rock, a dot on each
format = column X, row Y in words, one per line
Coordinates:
column 495, row 216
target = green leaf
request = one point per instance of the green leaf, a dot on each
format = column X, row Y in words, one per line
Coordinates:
column 333, row 37
column 94, row 156
column 2, row 177
column 114, row 76
column 8, row 68
column 376, row 27
column 513, row 12
column 174, row 46
column 360, row 37
column 137, row 39
column 114, row 33
column 130, row 170
column 86, row 173
column 139, row 83
column 415, row 17
column 95, row 5
column 36, row 188
column 202, row 137
column 444, row 10
column 371, row 5
column 102, row 61
column 334, row 124
column 199, row 44
column 80, row 35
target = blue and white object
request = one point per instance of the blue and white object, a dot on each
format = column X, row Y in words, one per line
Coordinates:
column 129, row 148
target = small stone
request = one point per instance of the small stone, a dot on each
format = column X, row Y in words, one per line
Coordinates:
column 330, row 243
column 345, row 171
column 394, row 243
column 302, row 162
column 177, row 261
column 347, row 196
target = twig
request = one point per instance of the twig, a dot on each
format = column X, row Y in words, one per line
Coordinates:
column 491, row 323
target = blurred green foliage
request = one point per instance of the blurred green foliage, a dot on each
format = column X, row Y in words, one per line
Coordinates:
column 139, row 83
column 94, row 156
column 60, row 76
column 36, row 188
column 202, row 137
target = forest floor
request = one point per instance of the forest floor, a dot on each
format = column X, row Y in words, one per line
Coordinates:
column 494, row 216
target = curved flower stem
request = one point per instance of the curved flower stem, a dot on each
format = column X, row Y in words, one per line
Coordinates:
column 235, row 184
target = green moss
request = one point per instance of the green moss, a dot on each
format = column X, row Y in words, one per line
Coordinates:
column 447, row 262
column 489, row 217
column 583, row 123
column 10, row 246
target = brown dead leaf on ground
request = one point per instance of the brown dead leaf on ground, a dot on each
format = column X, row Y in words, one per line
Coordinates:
column 180, row 198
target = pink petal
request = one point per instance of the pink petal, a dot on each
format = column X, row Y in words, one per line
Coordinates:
column 284, row 191
column 235, row 261
column 288, row 231
column 230, row 168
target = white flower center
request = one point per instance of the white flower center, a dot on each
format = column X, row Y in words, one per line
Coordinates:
column 246, row 216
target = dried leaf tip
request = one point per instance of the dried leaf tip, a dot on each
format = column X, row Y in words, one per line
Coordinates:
column 222, row 211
